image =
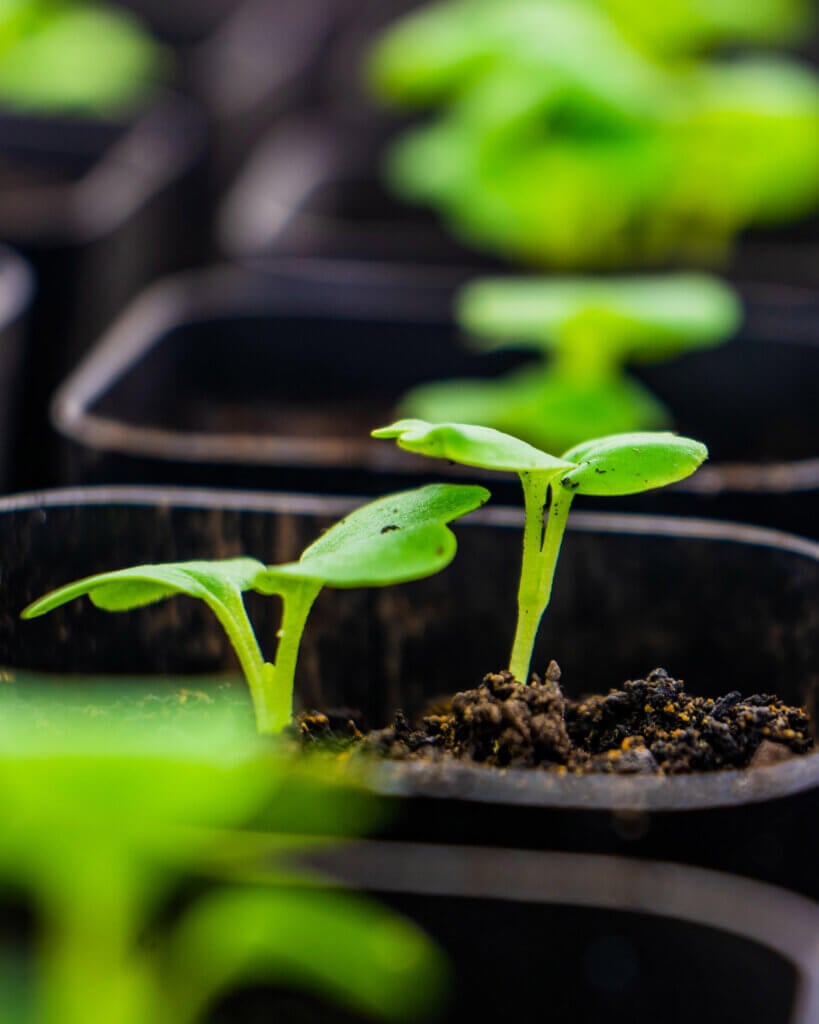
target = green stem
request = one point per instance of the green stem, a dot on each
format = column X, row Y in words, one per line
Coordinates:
column 232, row 615
column 275, row 708
column 90, row 965
column 535, row 488
column 540, row 552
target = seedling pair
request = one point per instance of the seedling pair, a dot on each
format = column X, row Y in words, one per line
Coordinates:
column 399, row 538
column 584, row 331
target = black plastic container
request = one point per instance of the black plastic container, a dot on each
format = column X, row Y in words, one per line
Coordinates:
column 274, row 379
column 315, row 188
column 16, row 291
column 100, row 209
column 594, row 938
column 719, row 605
column 181, row 23
column 262, row 62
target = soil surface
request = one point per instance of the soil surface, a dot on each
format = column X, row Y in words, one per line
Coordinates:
column 651, row 725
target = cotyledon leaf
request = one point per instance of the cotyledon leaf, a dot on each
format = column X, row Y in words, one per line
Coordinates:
column 629, row 463
column 471, row 446
column 395, row 539
column 647, row 316
column 135, row 587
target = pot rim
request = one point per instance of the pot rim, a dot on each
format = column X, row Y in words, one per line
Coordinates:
column 16, row 286
column 194, row 296
column 765, row 914
column 518, row 786
column 161, row 140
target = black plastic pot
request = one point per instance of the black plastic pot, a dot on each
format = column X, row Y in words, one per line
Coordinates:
column 100, row 209
column 315, row 188
column 312, row 188
column 16, row 290
column 592, row 938
column 261, row 62
column 182, row 22
column 274, row 379
column 721, row 606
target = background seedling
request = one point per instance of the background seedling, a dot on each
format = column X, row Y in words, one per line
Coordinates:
column 646, row 159
column 74, row 57
column 616, row 465
column 585, row 331
column 395, row 539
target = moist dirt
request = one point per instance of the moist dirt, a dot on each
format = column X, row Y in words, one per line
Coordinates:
column 648, row 726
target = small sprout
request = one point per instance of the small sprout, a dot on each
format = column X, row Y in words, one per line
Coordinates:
column 585, row 331
column 395, row 539
column 616, row 465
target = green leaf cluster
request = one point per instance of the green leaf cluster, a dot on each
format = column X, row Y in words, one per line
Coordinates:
column 646, row 159
column 64, row 57
column 584, row 332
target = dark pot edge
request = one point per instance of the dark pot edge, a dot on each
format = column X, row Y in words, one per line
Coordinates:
column 476, row 783
column 193, row 295
column 784, row 922
column 164, row 138
column 17, row 286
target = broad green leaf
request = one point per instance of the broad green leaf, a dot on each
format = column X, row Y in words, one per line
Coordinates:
column 395, row 539
column 135, row 587
column 471, row 446
column 80, row 59
column 643, row 317
column 334, row 944
column 630, row 463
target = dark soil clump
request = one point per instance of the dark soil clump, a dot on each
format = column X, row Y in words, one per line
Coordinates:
column 651, row 725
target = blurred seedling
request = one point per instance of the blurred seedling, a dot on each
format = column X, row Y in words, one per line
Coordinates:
column 105, row 816
column 608, row 466
column 585, row 332
column 395, row 539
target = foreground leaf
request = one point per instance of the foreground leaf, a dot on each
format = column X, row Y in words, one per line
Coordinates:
column 471, row 446
column 395, row 539
column 630, row 463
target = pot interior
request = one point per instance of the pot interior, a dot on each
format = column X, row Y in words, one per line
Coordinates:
column 339, row 369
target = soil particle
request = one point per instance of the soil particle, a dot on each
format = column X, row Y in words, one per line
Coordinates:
column 651, row 726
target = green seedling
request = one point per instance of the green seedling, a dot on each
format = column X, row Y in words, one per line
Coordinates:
column 645, row 162
column 75, row 58
column 441, row 52
column 103, row 817
column 585, row 331
column 609, row 466
column 395, row 539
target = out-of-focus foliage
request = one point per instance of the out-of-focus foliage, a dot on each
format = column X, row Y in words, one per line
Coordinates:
column 105, row 811
column 688, row 26
column 563, row 142
column 58, row 56
column 585, row 331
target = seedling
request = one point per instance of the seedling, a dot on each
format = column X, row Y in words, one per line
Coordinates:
column 395, row 539
column 75, row 58
column 616, row 465
column 585, row 331
column 136, row 807
column 645, row 161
